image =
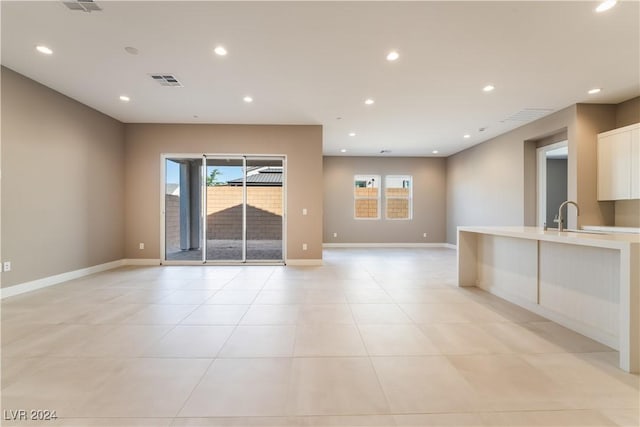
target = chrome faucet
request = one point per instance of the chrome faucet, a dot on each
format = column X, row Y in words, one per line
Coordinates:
column 559, row 218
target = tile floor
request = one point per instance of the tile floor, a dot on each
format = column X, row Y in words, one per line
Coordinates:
column 372, row 338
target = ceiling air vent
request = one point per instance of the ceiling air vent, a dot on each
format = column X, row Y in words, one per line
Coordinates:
column 83, row 5
column 166, row 80
column 528, row 115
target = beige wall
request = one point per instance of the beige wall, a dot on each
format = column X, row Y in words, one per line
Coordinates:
column 87, row 158
column 591, row 119
column 627, row 212
column 428, row 200
column 62, row 183
column 552, row 139
column 628, row 112
column 301, row 144
column 494, row 183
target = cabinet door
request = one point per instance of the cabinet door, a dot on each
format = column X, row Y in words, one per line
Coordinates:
column 635, row 163
column 614, row 166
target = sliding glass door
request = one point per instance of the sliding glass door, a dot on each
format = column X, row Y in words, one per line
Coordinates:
column 224, row 209
column 264, row 208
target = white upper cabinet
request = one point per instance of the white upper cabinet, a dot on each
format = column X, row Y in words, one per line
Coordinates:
column 619, row 164
column 635, row 163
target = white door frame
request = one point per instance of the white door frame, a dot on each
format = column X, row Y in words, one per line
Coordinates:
column 541, row 188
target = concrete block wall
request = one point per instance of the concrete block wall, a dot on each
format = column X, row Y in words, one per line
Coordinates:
column 367, row 208
column 366, row 192
column 224, row 213
column 397, row 192
column 172, row 222
column 397, row 209
column 397, row 203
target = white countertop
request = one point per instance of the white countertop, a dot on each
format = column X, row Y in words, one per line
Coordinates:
column 613, row 241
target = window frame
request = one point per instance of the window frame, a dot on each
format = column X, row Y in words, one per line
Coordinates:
column 409, row 198
column 378, row 198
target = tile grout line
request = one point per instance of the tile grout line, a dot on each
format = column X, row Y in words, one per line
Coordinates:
column 369, row 359
column 204, row 374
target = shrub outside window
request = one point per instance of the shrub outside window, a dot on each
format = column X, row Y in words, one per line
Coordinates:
column 398, row 195
column 366, row 196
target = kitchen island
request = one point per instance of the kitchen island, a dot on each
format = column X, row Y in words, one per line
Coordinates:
column 586, row 282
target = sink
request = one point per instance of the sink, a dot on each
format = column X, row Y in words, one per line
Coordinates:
column 574, row 231
column 586, row 232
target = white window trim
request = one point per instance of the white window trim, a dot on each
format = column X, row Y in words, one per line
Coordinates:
column 386, row 199
column 356, row 198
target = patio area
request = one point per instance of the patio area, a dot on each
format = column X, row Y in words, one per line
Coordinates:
column 231, row 250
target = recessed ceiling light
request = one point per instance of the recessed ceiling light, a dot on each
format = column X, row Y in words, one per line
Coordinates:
column 435, row 152
column 594, row 91
column 352, row 134
column 488, row 88
column 344, row 150
column 393, row 55
column 124, row 98
column 466, row 136
column 369, row 101
column 606, row 5
column 44, row 49
column 220, row 51
column 247, row 99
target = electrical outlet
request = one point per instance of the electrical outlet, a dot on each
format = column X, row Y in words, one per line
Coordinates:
column 304, row 246
column 335, row 234
column 141, row 245
column 424, row 235
column 304, row 211
column 6, row 266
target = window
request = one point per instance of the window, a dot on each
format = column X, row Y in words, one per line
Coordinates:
column 367, row 196
column 398, row 197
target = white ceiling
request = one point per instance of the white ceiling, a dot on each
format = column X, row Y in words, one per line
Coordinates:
column 312, row 62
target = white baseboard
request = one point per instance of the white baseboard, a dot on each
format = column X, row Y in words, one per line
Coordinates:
column 141, row 261
column 58, row 278
column 388, row 245
column 304, row 262
column 450, row 246
column 70, row 275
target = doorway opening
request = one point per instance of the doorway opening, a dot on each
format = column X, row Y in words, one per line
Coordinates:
column 223, row 209
column 552, row 182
